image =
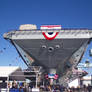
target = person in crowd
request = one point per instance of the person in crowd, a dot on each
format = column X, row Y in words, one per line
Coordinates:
column 3, row 84
column 14, row 84
column 84, row 88
column 77, row 89
column 89, row 88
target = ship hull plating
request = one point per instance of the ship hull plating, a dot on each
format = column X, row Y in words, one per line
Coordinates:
column 57, row 51
column 53, row 54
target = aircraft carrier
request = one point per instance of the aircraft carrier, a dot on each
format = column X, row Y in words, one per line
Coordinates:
column 56, row 49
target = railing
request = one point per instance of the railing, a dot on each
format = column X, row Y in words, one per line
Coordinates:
column 66, row 90
column 14, row 90
column 62, row 31
column 22, row 90
column 51, row 30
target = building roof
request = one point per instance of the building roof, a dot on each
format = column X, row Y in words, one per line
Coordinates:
column 13, row 72
column 5, row 71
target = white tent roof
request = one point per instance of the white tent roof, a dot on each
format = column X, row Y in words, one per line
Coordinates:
column 87, row 77
column 5, row 71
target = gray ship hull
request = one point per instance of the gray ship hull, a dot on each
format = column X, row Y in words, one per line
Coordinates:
column 58, row 56
column 57, row 51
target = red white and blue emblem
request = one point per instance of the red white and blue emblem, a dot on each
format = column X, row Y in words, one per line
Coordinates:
column 50, row 35
column 53, row 76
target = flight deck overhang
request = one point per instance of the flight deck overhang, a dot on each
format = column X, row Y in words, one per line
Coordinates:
column 60, row 50
column 39, row 34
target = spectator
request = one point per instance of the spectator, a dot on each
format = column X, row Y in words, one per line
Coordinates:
column 84, row 88
column 89, row 88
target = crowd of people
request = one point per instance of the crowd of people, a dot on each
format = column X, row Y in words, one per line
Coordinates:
column 18, row 87
column 83, row 88
column 60, row 88
column 27, row 87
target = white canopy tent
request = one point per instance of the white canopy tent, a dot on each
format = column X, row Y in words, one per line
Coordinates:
column 11, row 73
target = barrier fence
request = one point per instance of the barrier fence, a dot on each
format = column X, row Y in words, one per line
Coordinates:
column 66, row 90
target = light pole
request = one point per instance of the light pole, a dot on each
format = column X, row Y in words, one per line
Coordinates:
column 36, row 78
column 37, row 72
